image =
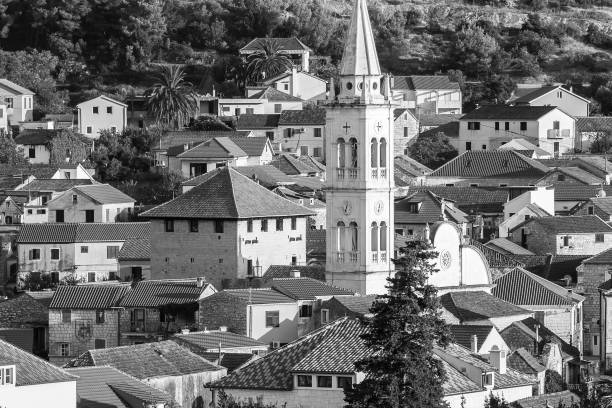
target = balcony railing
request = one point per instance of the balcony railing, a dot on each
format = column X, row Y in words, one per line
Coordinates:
column 379, row 173
column 375, row 257
column 347, row 257
column 379, row 256
column 557, row 133
column 353, row 257
column 383, row 256
column 340, row 257
column 340, row 172
column 353, row 173
column 383, row 173
column 375, row 174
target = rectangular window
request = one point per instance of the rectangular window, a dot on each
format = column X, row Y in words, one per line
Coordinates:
column 75, row 199
column 194, row 226
column 137, row 320
column 55, row 277
column 304, row 150
column 278, row 108
column 9, row 103
column 32, row 153
column 272, row 319
column 484, row 147
column 317, row 132
column 237, row 111
column 219, row 226
column 566, row 241
column 64, row 349
column 324, row 381
column 99, row 343
column 590, row 210
column 59, row 215
column 34, row 254
column 487, row 379
column 113, row 129
column 55, row 253
column 91, row 277
column 112, row 275
column 250, row 111
column 279, row 224
column 89, row 130
column 270, row 135
column 286, row 87
column 317, row 152
column 264, row 225
column 109, row 109
column 293, row 223
column 405, row 131
column 599, row 237
column 99, row 316
column 95, row 109
column 89, row 216
column 112, row 251
column 306, row 311
column 344, row 382
column 66, row 315
column 41, row 212
column 249, row 225
column 7, row 376
column 595, row 338
column 468, row 145
column 506, row 125
column 169, row 225
column 84, row 249
column 523, row 126
column 304, row 380
column 473, row 125
column 496, row 125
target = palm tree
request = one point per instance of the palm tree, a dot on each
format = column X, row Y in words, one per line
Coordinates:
column 268, row 61
column 171, row 100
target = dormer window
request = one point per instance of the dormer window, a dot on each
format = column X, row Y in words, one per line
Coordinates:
column 7, row 375
column 414, row 208
column 487, row 379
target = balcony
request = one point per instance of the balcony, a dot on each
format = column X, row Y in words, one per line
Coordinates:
column 347, row 257
column 557, row 133
column 379, row 256
column 379, row 173
column 375, row 257
column 375, row 174
column 340, row 172
column 353, row 173
column 383, row 173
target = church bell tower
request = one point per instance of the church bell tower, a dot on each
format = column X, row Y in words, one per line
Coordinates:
column 359, row 152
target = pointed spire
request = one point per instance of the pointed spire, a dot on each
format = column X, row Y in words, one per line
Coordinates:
column 359, row 56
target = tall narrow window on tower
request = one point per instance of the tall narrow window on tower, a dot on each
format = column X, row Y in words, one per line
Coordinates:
column 374, row 153
column 341, row 153
column 354, row 236
column 374, row 237
column 383, row 236
column 383, row 153
column 353, row 143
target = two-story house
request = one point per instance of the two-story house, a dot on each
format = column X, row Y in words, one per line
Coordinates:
column 101, row 113
column 259, row 101
column 3, row 119
column 299, row 83
column 76, row 251
column 553, row 95
column 488, row 127
column 227, row 227
column 84, row 317
column 261, row 125
column 19, row 102
column 539, row 202
column 91, row 203
column 302, row 132
column 427, row 94
column 574, row 235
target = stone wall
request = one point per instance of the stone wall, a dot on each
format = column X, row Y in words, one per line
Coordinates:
column 223, row 310
column 188, row 390
column 590, row 276
column 401, row 139
column 542, row 242
column 153, row 326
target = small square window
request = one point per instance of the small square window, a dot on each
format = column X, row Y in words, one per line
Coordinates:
column 100, row 316
column 324, row 316
column 89, row 130
column 112, row 251
column 100, row 343
column 55, row 253
column 278, row 108
column 220, row 260
column 66, row 315
column 306, row 310
column 169, row 225
column 64, row 349
column 32, row 153
column 599, row 237
column 317, row 132
column 84, row 249
column 218, row 226
column 75, row 199
column 109, row 109
column 34, row 254
column 95, row 109
column 304, row 380
column 272, row 319
column 523, row 126
column 193, row 226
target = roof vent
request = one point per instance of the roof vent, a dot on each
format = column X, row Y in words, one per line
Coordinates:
column 295, row 273
column 223, row 328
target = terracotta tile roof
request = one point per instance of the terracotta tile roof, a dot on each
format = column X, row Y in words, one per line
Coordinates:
column 584, row 224
column 579, row 174
column 462, row 333
column 22, row 311
column 495, row 258
column 31, row 370
column 227, row 194
column 284, row 271
column 556, row 399
column 157, row 293
column 478, row 305
column 480, row 199
column 290, row 165
column 312, row 162
column 83, row 232
column 535, row 93
column 35, row 136
column 522, row 287
column 268, row 176
column 311, row 116
column 37, row 170
column 593, row 123
column 104, row 193
column 333, row 348
column 520, row 360
column 284, row 43
column 501, row 112
column 429, row 209
column 561, row 266
column 274, row 95
column 5, row 83
column 43, row 297
column 231, row 361
column 258, row 121
column 19, row 337
column 54, row 184
column 491, row 163
column 429, row 120
column 252, row 146
column 521, row 334
column 306, row 288
column 508, row 246
column 603, row 203
column 306, row 185
column 149, row 360
column 316, row 244
column 576, row 192
column 98, row 296
column 182, row 137
column 212, row 340
column 256, row 296
column 602, row 258
column 457, row 382
column 100, row 387
column 415, row 82
column 409, row 165
column 218, row 148
column 138, row 249
column 360, row 304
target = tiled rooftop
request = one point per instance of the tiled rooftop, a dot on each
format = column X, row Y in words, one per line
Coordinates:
column 257, row 296
column 212, row 340
column 83, row 232
column 491, row 163
column 478, row 305
column 138, row 249
column 306, row 288
column 585, row 224
column 284, row 271
column 158, row 293
column 501, row 112
column 98, row 296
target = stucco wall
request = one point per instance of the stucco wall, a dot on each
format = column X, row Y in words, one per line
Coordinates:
column 101, row 120
column 52, row 395
column 188, row 390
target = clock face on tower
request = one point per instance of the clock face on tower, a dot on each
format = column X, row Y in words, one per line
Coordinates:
column 379, row 207
column 347, row 208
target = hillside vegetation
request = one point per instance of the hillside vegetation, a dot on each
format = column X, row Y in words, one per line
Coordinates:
column 90, row 46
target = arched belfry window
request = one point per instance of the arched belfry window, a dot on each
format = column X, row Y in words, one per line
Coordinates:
column 341, row 238
column 353, row 147
column 354, row 236
column 383, row 152
column 383, row 236
column 341, row 153
column 374, row 153
column 374, row 243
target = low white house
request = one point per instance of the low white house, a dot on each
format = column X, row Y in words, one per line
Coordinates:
column 427, row 94
column 101, row 113
column 300, row 84
column 259, row 100
column 489, row 127
column 302, row 132
column 19, row 101
column 554, row 95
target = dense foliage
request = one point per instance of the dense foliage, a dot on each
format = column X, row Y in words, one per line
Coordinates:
column 432, row 150
column 402, row 370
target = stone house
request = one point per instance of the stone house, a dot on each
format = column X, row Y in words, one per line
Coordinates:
column 18, row 100
column 405, row 130
column 10, row 211
column 86, row 252
column 91, row 203
column 427, row 94
column 488, row 127
column 101, row 113
column 30, row 381
column 521, row 361
column 592, row 273
column 557, row 308
column 155, row 309
column 590, row 129
column 302, row 132
column 82, row 318
column 227, row 227
column 599, row 206
column 553, row 95
column 24, row 321
column 574, row 235
column 134, row 260
column 165, row 366
column 570, row 175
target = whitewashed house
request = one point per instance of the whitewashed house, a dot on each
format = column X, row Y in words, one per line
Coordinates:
column 427, row 94
column 300, row 84
column 554, row 95
column 101, row 113
column 259, row 100
column 19, row 102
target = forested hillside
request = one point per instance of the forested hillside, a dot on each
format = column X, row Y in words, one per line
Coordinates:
column 89, row 46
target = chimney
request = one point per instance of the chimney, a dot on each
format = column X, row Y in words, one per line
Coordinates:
column 205, row 329
column 474, row 343
column 537, row 340
column 497, row 358
column 200, row 281
column 295, row 273
column 223, row 328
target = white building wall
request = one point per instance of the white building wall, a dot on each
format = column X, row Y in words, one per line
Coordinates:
column 52, row 395
column 303, row 140
column 287, row 329
column 42, row 155
column 3, row 118
column 101, row 120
